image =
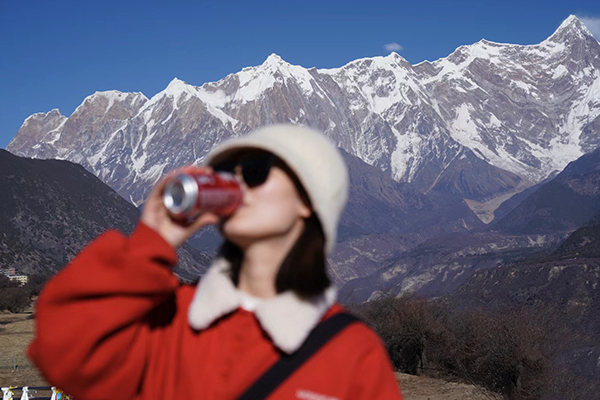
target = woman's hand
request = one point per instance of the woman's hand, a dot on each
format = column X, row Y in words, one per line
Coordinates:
column 156, row 216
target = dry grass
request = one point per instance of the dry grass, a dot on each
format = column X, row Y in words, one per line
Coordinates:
column 16, row 331
column 424, row 388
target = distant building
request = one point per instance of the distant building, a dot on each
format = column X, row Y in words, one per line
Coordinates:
column 11, row 273
column 22, row 279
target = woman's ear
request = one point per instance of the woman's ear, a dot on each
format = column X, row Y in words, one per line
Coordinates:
column 305, row 211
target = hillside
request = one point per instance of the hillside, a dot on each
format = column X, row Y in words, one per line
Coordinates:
column 50, row 209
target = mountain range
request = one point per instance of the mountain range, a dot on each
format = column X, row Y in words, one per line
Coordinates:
column 483, row 123
column 434, row 149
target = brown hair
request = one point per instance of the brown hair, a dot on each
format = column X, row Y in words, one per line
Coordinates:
column 304, row 269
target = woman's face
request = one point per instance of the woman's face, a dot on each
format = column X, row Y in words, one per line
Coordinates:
column 270, row 210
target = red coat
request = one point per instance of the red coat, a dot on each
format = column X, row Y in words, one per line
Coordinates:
column 113, row 324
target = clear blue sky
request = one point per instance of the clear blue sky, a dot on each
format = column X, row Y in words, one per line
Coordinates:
column 55, row 53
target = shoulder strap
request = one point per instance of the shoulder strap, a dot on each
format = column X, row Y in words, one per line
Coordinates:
column 286, row 366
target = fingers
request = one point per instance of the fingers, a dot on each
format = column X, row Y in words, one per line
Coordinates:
column 156, row 214
column 202, row 220
column 191, row 168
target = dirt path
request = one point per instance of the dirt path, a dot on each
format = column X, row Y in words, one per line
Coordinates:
column 423, row 388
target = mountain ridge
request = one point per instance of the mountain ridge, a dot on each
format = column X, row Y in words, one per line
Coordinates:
column 481, row 123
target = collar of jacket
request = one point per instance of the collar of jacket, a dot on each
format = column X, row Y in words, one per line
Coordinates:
column 286, row 317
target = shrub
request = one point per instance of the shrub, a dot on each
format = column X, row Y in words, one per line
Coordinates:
column 511, row 352
column 35, row 283
column 5, row 282
column 14, row 299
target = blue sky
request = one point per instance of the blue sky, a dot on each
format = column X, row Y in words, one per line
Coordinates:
column 55, row 53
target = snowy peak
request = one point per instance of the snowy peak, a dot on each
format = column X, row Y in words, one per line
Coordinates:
column 114, row 96
column 47, row 124
column 177, row 87
column 176, row 91
column 276, row 65
column 42, row 116
column 572, row 23
column 389, row 62
column 254, row 82
column 274, row 61
column 49, row 121
column 398, row 59
column 112, row 101
column 572, row 29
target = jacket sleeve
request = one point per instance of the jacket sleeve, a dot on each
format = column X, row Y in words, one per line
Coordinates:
column 374, row 377
column 91, row 327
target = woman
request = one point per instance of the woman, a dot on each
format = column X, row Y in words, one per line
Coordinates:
column 116, row 323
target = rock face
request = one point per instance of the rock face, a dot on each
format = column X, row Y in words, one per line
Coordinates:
column 384, row 218
column 488, row 120
column 441, row 265
column 538, row 224
column 561, row 205
column 583, row 243
column 50, row 209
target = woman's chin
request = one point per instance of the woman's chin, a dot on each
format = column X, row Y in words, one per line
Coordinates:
column 237, row 235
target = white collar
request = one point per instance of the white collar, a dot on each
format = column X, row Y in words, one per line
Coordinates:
column 287, row 318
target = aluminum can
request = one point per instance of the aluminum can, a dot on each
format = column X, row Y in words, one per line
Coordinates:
column 191, row 193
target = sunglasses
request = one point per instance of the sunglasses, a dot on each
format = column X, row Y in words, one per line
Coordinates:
column 255, row 167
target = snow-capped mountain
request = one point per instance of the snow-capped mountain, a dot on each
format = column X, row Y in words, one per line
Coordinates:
column 488, row 120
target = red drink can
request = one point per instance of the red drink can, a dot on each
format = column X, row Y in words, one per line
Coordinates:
column 191, row 193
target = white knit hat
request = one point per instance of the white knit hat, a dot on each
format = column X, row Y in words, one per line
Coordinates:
column 313, row 158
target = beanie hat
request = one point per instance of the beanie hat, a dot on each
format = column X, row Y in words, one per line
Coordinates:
column 315, row 160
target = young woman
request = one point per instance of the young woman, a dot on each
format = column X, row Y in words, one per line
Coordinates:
column 116, row 323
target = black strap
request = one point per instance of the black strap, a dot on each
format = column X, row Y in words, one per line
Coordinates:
column 286, row 366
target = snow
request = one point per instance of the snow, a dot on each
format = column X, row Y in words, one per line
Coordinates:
column 175, row 90
column 407, row 148
column 254, row 81
column 112, row 96
column 176, row 93
column 57, row 131
column 448, row 70
column 559, row 72
column 93, row 160
column 486, row 50
column 525, row 86
column 138, row 161
column 150, row 124
column 464, row 129
column 494, row 122
column 573, row 23
column 154, row 172
column 41, row 115
column 544, row 50
column 178, row 89
column 34, row 116
column 398, row 80
column 217, row 98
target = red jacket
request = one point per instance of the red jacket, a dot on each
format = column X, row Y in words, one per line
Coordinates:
column 114, row 324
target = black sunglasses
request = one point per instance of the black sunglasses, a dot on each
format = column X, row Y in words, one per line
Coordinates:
column 255, row 167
